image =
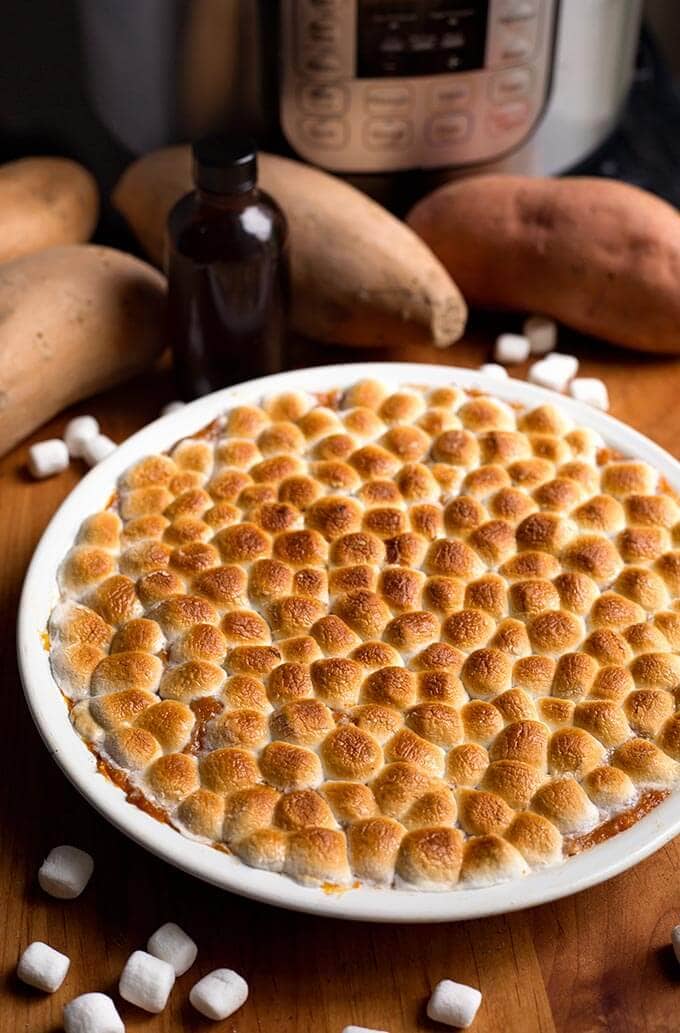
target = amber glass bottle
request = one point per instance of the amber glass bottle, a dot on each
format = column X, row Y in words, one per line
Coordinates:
column 227, row 272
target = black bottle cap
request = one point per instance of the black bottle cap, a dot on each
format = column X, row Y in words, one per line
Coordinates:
column 225, row 164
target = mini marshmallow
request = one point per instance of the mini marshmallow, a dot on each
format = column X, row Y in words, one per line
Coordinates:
column 92, row 1013
column 492, row 369
column 675, row 940
column 554, row 372
column 542, row 334
column 97, row 449
column 361, row 1029
column 43, row 967
column 46, row 458
column 65, row 872
column 172, row 407
column 454, row 1004
column 146, row 981
column 511, row 348
column 219, row 994
column 78, row 432
column 171, row 944
column 590, row 390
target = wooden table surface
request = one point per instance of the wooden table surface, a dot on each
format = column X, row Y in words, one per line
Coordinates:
column 596, row 961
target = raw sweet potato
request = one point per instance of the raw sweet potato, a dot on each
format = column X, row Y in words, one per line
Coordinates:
column 359, row 275
column 74, row 320
column 45, row 202
column 598, row 255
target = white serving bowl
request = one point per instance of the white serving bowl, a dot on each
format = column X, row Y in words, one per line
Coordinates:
column 72, row 755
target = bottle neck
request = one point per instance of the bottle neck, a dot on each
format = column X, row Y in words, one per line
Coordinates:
column 227, row 202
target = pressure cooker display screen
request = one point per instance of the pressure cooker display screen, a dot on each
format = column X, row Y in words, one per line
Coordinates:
column 419, row 37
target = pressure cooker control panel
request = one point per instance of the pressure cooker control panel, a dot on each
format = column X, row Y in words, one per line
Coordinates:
column 383, row 85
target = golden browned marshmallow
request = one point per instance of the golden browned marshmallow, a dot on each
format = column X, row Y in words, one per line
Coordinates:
column 511, row 637
column 628, row 478
column 317, row 855
column 612, row 610
column 243, row 543
column 191, row 680
column 409, row 444
column 101, row 529
column 194, row 502
column 416, row 483
column 145, row 557
column 503, row 446
column 594, row 556
column 406, row 745
column 293, row 615
column 574, row 676
column 363, row 423
column 643, row 586
column 482, row 721
column 431, row 858
column 468, row 629
column 202, row 814
column 441, row 685
column 138, row 634
column 612, row 683
column 515, row 705
column 652, row 511
column 336, row 475
column 120, row 708
column 494, row 541
column 668, row 623
column 402, row 407
column 353, row 578
column 392, row 686
column 529, row 474
column 444, row 594
column 334, row 637
column 84, row 567
column 486, row 481
column 132, row 748
column 365, row 612
column 546, row 532
column 536, row 838
column 554, row 631
column 645, row 763
column 669, row 737
column 318, row 422
column 513, row 781
column 522, row 740
column 288, row 405
column 349, row 801
column 152, row 470
column 368, row 393
column 410, row 632
column 159, row 586
column 656, row 670
column 564, row 803
column 530, row 564
column 70, row 623
column 544, row 419
column 401, row 588
column 380, row 493
column 304, row 722
column 668, row 566
column 534, row 596
column 300, row 491
column 486, row 673
column 604, row 719
column 486, row 414
column 534, row 673
column 248, row 810
column 609, row 788
column 550, row 447
column 584, row 474
column 173, row 777
column 554, row 712
column 645, row 638
column 379, row 720
column 256, row 660
column 337, row 680
column 577, row 591
column 225, row 770
column 373, row 461
column 373, row 844
column 490, row 859
column 249, row 497
column 130, row 670
column 288, row 682
column 437, row 722
column 303, row 809
column 247, row 728
column 246, row 421
column 600, row 513
column 169, row 721
column 179, row 614
column 287, row 766
column 647, row 710
column 139, row 530
column 73, row 666
column 350, row 752
column 264, row 848
column 282, row 436
column 144, row 502
column 242, row 690
column 481, row 813
column 574, row 751
column 437, row 419
column 466, row 764
column 487, row 593
column 234, row 451
column 241, row 627
column 559, row 495
column 439, row 655
column 312, row 582
column 643, row 544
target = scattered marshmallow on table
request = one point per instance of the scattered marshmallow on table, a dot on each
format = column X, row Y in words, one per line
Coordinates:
column 219, row 994
column 554, row 372
column 97, row 449
column 511, row 348
column 361, row 1029
column 43, row 967
column 171, row 944
column 172, row 407
column 78, row 432
column 92, row 1013
column 542, row 334
column 493, row 369
column 146, row 981
column 675, row 940
column 46, row 458
column 454, row 1004
column 65, row 872
column 590, row 390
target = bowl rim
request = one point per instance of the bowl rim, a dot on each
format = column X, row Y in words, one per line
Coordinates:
column 364, row 903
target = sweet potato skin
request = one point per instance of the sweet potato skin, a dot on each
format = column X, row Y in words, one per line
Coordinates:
column 360, row 277
column 74, row 320
column 600, row 256
column 45, row 202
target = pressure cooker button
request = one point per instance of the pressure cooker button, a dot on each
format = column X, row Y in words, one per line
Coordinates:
column 387, row 134
column 506, row 117
column 518, row 11
column 321, row 62
column 452, row 94
column 515, row 44
column 322, row 30
column 510, row 84
column 388, row 100
column 443, row 130
column 322, row 99
column 325, row 132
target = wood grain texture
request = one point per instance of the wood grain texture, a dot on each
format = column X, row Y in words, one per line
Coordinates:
column 599, row 961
